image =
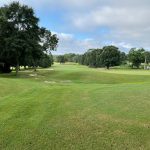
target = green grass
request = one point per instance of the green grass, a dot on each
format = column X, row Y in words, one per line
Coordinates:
column 73, row 107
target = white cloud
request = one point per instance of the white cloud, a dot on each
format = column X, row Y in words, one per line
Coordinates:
column 122, row 45
column 69, row 44
column 127, row 21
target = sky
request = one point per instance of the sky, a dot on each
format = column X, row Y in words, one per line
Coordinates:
column 85, row 24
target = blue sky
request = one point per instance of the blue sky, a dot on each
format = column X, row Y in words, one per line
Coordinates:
column 81, row 25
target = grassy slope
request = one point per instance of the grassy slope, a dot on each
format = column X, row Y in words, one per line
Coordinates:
column 75, row 107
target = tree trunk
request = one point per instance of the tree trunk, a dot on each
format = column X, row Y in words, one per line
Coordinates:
column 107, row 66
column 17, row 69
column 34, row 68
column 34, row 65
column 145, row 64
column 17, row 66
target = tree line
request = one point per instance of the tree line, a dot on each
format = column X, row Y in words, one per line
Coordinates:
column 22, row 41
column 70, row 57
column 108, row 56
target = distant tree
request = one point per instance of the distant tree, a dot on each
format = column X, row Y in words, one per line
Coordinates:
column 92, row 58
column 136, row 57
column 98, row 58
column 81, row 59
column 123, row 58
column 61, row 59
column 110, row 56
column 76, row 58
column 69, row 57
column 147, row 57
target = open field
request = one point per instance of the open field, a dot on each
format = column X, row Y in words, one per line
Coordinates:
column 73, row 107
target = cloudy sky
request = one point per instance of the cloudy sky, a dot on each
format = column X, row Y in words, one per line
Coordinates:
column 84, row 24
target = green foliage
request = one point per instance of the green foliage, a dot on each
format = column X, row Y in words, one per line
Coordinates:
column 136, row 57
column 61, row 59
column 49, row 41
column 106, row 57
column 69, row 57
column 22, row 41
column 45, row 61
column 147, row 57
column 110, row 56
column 123, row 58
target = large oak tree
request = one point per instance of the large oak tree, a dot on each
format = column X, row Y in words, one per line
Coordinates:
column 22, row 41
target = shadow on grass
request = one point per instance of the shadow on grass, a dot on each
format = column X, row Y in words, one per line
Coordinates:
column 40, row 75
column 23, row 73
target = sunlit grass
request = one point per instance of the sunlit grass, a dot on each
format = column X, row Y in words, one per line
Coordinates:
column 75, row 107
